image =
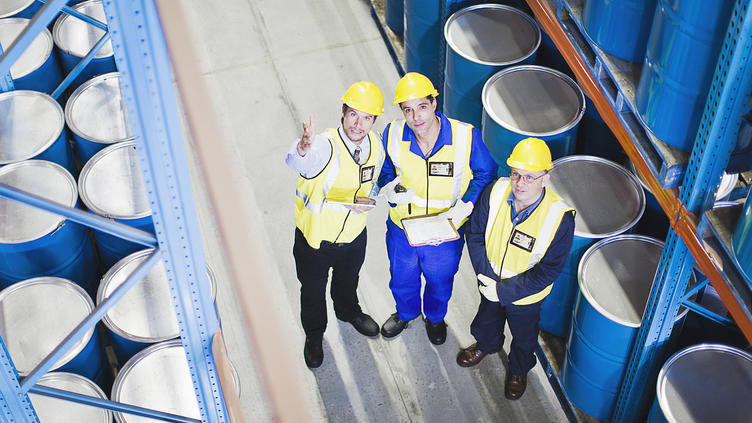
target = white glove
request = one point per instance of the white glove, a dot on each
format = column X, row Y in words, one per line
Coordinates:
column 397, row 197
column 458, row 212
column 487, row 288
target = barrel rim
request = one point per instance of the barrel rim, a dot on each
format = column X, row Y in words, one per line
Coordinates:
column 95, row 389
column 42, row 148
column 107, row 281
column 583, row 288
column 569, row 81
column 21, row 8
column 59, row 25
column 67, row 284
column 72, row 101
column 458, row 14
column 117, row 384
column 72, row 203
column 84, row 176
column 660, row 383
column 47, row 37
column 630, row 177
column 728, row 182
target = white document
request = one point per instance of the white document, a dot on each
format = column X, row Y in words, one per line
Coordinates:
column 429, row 230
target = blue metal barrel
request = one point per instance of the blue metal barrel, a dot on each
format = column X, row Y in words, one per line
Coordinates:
column 422, row 32
column 111, row 185
column 615, row 277
column 704, row 383
column 741, row 241
column 37, row 68
column 157, row 378
column 19, row 8
column 395, row 15
column 53, row 410
column 31, row 126
column 38, row 314
column 608, row 201
column 679, row 63
column 96, row 115
column 37, row 243
column 481, row 40
column 548, row 55
column 145, row 315
column 74, row 39
column 619, row 28
column 530, row 101
column 594, row 137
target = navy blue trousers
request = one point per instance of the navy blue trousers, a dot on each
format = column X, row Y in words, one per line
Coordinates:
column 312, row 266
column 488, row 330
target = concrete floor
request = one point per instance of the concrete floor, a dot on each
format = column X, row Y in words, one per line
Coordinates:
column 268, row 64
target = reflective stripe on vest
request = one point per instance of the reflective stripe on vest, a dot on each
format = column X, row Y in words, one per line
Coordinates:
column 413, row 170
column 318, row 213
column 508, row 256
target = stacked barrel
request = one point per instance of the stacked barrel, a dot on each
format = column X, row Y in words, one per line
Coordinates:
column 77, row 149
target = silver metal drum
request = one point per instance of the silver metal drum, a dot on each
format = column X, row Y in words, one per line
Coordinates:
column 21, row 8
column 37, row 314
column 157, row 378
column 31, row 126
column 37, row 68
column 608, row 200
column 97, row 116
column 111, row 185
column 53, row 410
column 704, row 383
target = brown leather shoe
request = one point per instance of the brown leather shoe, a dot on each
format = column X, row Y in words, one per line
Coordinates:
column 515, row 387
column 470, row 356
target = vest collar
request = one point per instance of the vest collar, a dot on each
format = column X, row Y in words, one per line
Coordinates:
column 517, row 218
column 445, row 136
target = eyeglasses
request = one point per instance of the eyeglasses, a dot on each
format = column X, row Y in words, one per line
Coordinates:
column 528, row 179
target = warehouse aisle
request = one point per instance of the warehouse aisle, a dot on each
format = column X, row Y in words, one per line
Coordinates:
column 268, row 65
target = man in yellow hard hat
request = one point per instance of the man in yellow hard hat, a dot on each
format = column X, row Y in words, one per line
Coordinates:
column 519, row 239
column 434, row 165
column 338, row 171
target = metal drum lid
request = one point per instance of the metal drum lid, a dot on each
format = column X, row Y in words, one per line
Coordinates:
column 492, row 34
column 608, row 199
column 30, row 122
column 728, row 182
column 159, row 378
column 145, row 313
column 23, row 223
column 34, row 56
column 96, row 110
column 37, row 315
column 11, row 7
column 53, row 410
column 111, row 183
column 533, row 100
column 76, row 37
column 706, row 383
column 615, row 276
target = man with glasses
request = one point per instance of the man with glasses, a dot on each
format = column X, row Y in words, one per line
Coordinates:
column 519, row 238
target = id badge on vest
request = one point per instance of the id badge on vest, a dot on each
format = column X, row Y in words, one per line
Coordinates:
column 440, row 169
column 366, row 173
column 522, row 240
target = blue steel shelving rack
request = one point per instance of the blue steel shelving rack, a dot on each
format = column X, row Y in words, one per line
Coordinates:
column 724, row 115
column 142, row 59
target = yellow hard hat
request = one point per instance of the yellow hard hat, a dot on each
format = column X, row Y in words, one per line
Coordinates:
column 413, row 85
column 531, row 154
column 366, row 97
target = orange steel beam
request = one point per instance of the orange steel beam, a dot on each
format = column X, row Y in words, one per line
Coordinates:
column 682, row 221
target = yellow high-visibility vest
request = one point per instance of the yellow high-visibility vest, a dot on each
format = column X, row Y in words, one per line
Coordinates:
column 317, row 212
column 439, row 181
column 513, row 249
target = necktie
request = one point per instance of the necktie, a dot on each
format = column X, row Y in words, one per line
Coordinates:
column 356, row 155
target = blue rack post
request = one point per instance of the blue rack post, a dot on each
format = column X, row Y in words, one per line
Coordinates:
column 715, row 140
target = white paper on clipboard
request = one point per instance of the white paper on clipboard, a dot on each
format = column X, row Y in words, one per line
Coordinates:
column 431, row 229
column 362, row 206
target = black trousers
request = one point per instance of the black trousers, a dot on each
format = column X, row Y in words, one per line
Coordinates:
column 488, row 330
column 312, row 266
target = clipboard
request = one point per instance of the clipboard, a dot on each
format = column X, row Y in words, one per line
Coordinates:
column 361, row 205
column 429, row 229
